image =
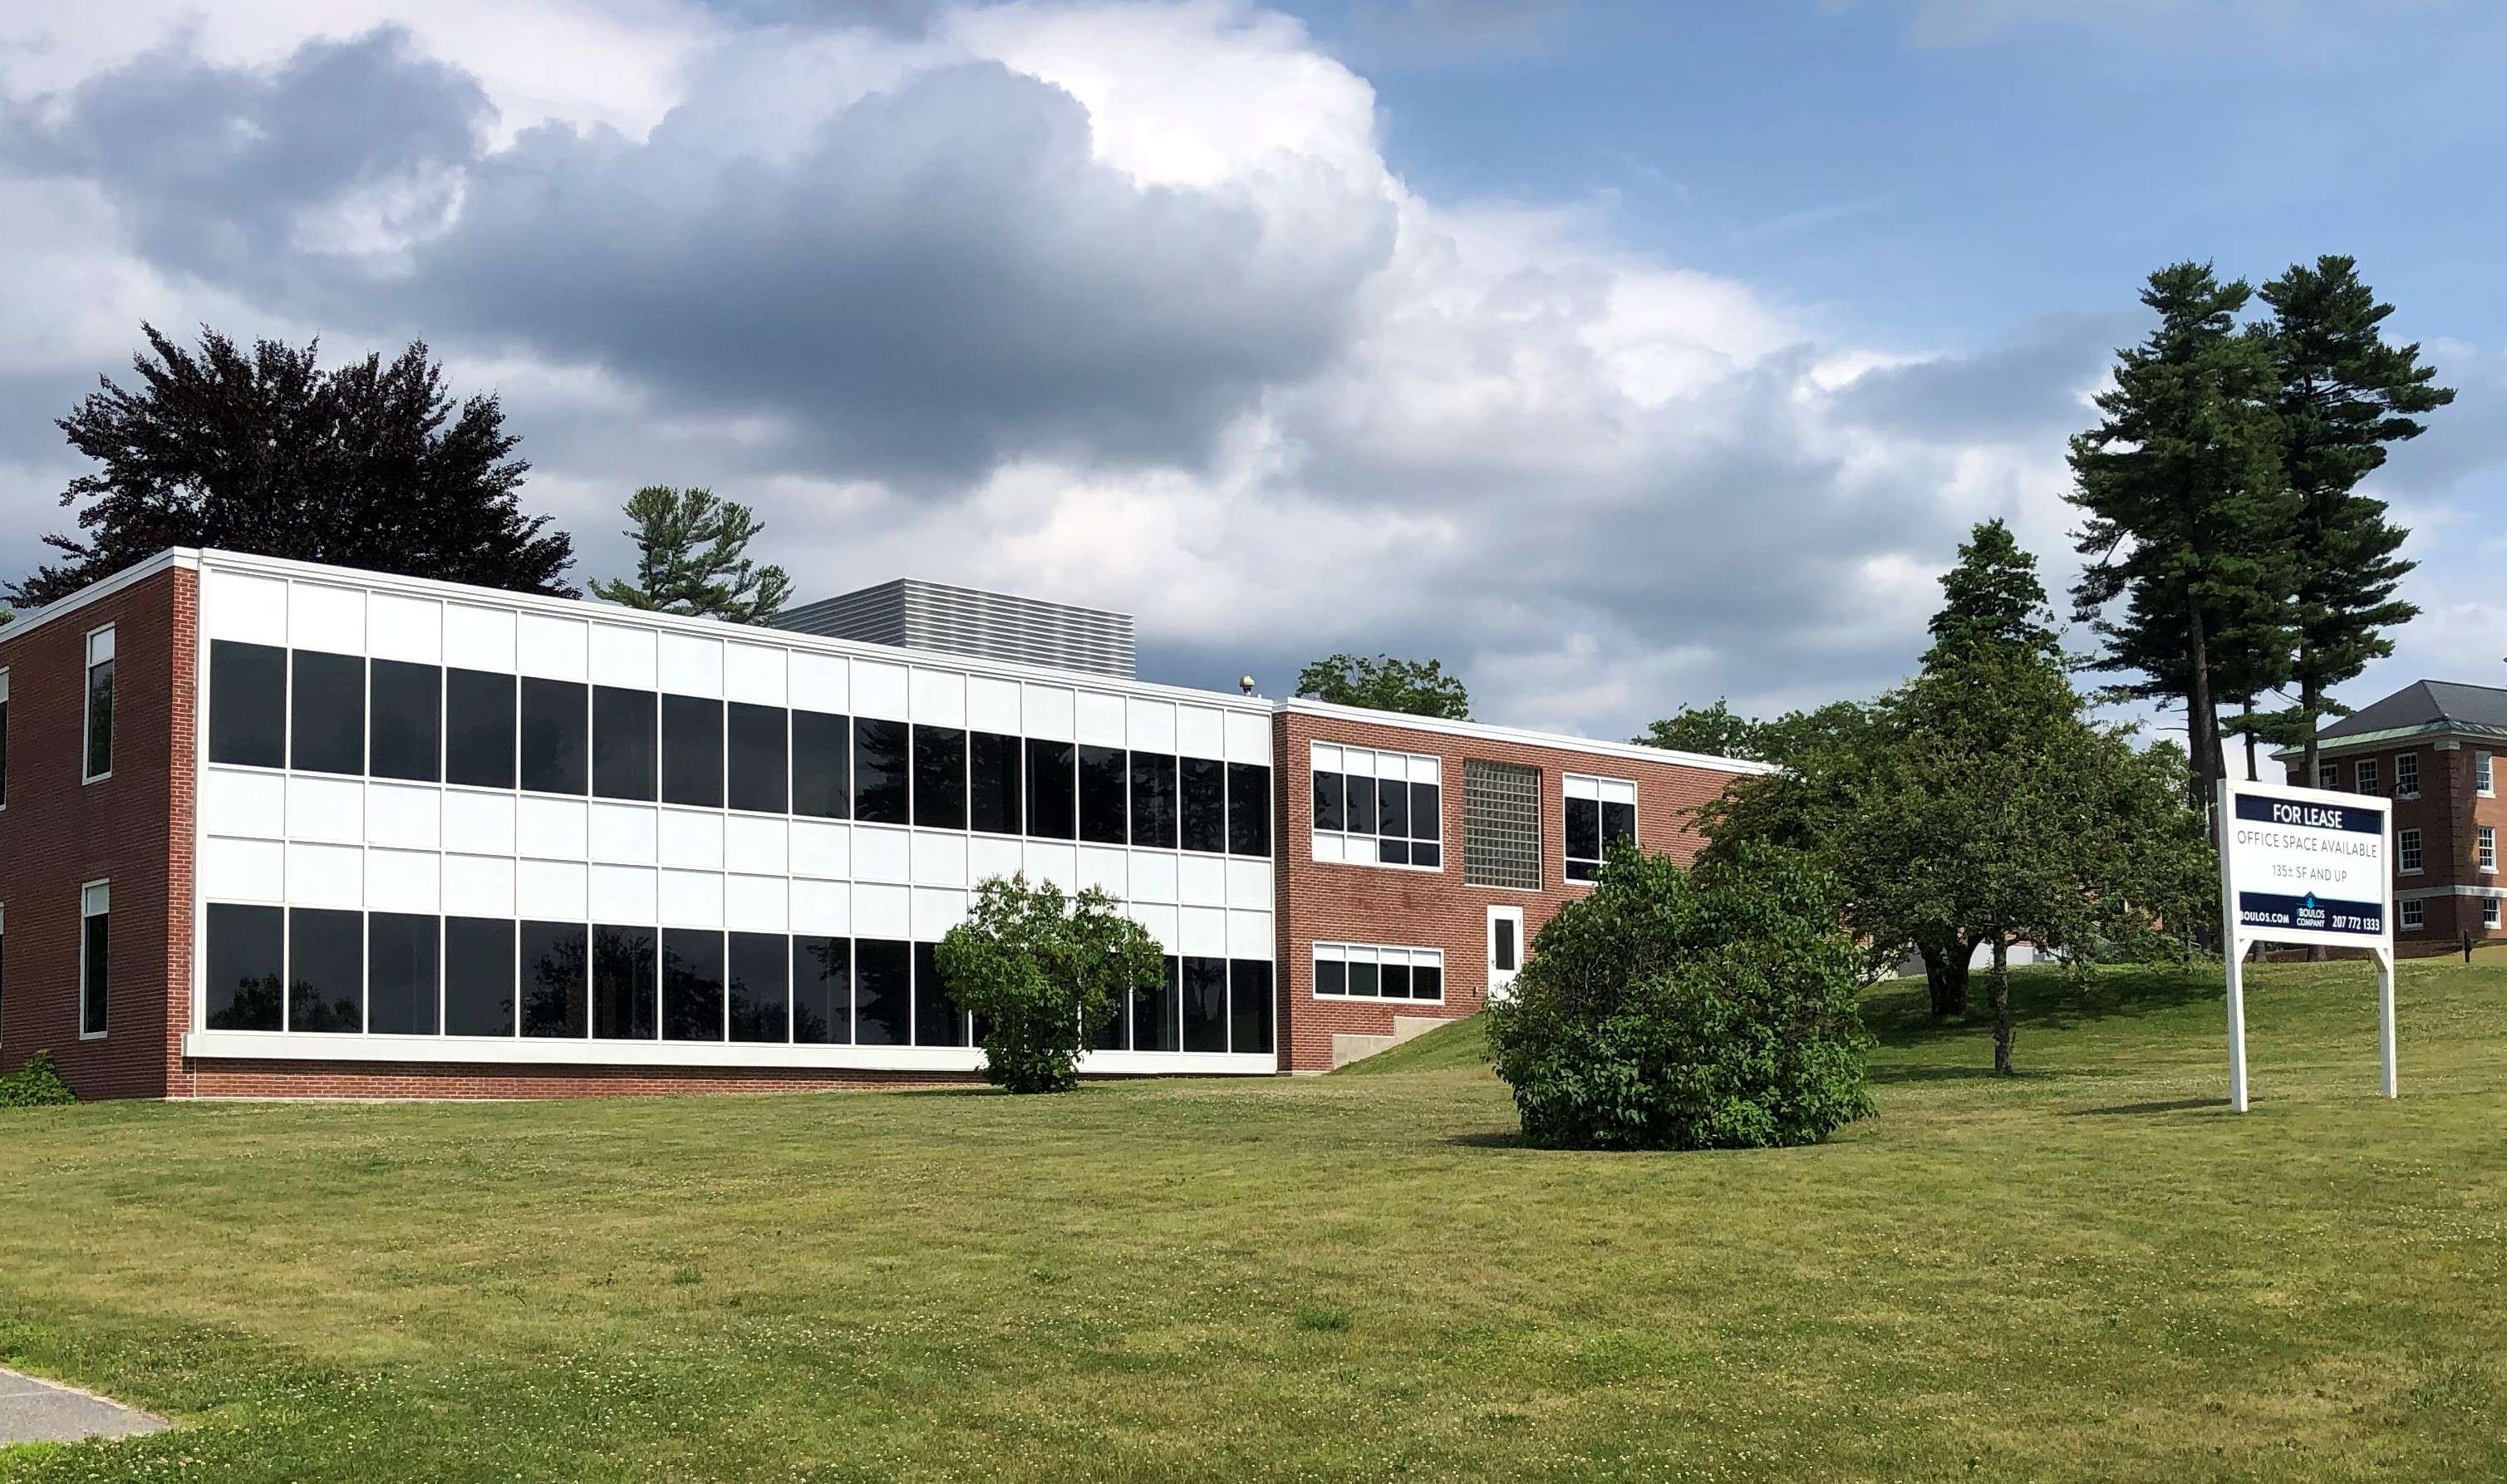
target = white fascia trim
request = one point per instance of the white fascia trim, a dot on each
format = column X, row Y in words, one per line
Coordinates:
column 723, row 1055
column 2424, row 894
column 1558, row 740
column 98, row 592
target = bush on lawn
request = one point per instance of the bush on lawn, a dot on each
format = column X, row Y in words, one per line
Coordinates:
column 1670, row 1009
column 35, row 1085
column 1042, row 975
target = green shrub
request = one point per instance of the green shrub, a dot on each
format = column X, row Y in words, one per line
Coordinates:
column 35, row 1085
column 1669, row 1009
column 1042, row 975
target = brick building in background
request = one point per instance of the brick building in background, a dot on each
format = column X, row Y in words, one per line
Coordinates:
column 2430, row 747
column 269, row 828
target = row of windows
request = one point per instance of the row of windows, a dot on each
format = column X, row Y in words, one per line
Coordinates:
column 1377, row 808
column 2410, row 855
column 307, row 969
column 2414, row 914
column 1365, row 971
column 427, row 724
column 2365, row 775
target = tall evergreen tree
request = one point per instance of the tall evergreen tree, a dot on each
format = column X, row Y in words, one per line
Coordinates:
column 2345, row 394
column 368, row 465
column 2188, row 514
column 692, row 559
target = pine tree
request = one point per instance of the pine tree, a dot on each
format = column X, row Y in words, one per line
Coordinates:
column 692, row 559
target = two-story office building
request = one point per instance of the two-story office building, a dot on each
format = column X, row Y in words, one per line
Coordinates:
column 269, row 828
column 2429, row 747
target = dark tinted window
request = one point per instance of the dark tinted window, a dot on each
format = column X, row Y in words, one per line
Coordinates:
column 1331, row 976
column 1105, row 786
column 1585, row 828
column 992, row 766
column 329, row 728
column 692, row 751
column 1362, row 977
column 937, row 1020
column 553, row 979
column 1361, row 805
column 823, row 775
column 1394, row 979
column 823, row 991
column 625, row 983
column 408, row 710
column 1156, row 1014
column 1154, row 799
column 760, row 987
column 1115, row 1035
column 1249, row 809
column 623, row 739
column 940, row 777
column 1205, row 1004
column 881, row 757
column 243, row 980
column 1619, row 823
column 1502, row 950
column 1329, row 795
column 1205, row 804
column 691, row 985
column 883, row 992
column 555, row 754
column 1052, row 796
column 326, row 970
column 1427, row 981
column 1393, row 809
column 95, row 963
column 401, row 979
column 478, row 729
column 1249, row 1005
column 247, row 705
column 478, row 976
column 1427, row 826
column 757, row 758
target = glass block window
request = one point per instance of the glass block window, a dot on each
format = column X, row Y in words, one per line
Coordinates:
column 1501, row 824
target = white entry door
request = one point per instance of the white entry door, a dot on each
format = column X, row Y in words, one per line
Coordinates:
column 1505, row 949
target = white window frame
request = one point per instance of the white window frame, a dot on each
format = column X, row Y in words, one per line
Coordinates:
column 2409, row 855
column 2490, row 912
column 1568, row 786
column 96, row 899
column 2414, row 915
column 2407, row 774
column 2326, row 775
column 86, row 703
column 2485, row 849
column 1415, row 957
column 1345, row 847
column 4, row 739
column 2363, row 774
column 2485, row 781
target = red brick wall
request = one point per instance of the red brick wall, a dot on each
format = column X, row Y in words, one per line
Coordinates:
column 1332, row 903
column 133, row 829
column 2448, row 814
column 226, row 1078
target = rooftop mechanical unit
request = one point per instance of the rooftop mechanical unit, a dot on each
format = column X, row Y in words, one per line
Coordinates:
column 966, row 621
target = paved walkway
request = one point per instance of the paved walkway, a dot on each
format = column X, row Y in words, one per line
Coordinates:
column 33, row 1411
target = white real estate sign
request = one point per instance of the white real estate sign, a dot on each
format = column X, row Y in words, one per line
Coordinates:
column 2306, row 866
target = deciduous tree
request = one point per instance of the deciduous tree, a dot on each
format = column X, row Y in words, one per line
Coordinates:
column 1042, row 974
column 1418, row 687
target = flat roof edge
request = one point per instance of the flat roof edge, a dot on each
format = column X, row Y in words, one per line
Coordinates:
column 1524, row 736
column 172, row 557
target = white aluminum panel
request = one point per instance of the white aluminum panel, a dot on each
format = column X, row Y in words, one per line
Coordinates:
column 625, row 658
column 250, row 609
column 478, row 886
column 754, row 846
column 326, row 808
column 936, row 910
column 1199, row 732
column 244, row 870
column 881, row 911
column 560, row 829
column 404, row 816
column 823, row 906
column 1393, row 767
column 819, row 684
column 882, row 854
column 1151, row 726
column 1161, row 923
column 551, row 891
column 989, row 855
column 1047, row 711
column 1102, row 866
column 1249, row 738
column 479, row 638
column 880, row 689
column 1579, row 786
column 821, row 848
column 691, row 899
column 1359, row 762
column 1204, row 931
column 993, row 705
column 1362, row 849
column 1100, row 719
column 754, row 904
column 1329, row 847
column 626, row 896
column 691, row 841
column 1618, row 792
column 320, row 616
column 553, row 649
column 939, row 859
column 482, row 825
column 1424, row 769
column 939, row 697
column 1153, row 875
column 1249, row 935
column 1327, row 758
column 1249, row 884
column 626, row 833
column 239, row 802
column 691, row 665
column 1055, row 863
column 403, row 881
column 326, row 876
column 755, row 673
column 1201, row 881
column 409, row 629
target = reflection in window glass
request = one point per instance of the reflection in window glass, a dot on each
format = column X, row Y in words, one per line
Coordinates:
column 1619, row 823
column 1205, row 1004
column 96, row 959
column 994, row 802
column 937, row 1020
column 1583, row 838
column 692, row 751
column 1361, row 973
column 1157, row 1019
column 1154, row 799
column 401, row 980
column 247, row 705
column 1115, row 1035
column 881, row 757
column 478, row 976
column 1205, row 804
column 624, row 725
column 760, row 987
column 823, row 991
column 1361, row 805
column 883, row 992
column 625, row 983
column 554, row 980
column 1249, row 809
column 328, row 731
column 1103, row 784
column 326, row 970
column 940, row 777
column 1053, row 789
column 1249, row 1005
column 1330, row 790
column 758, row 758
column 1331, row 976
column 478, row 729
column 242, row 983
column 823, row 775
column 407, row 705
column 692, row 993
column 556, row 754
column 100, row 716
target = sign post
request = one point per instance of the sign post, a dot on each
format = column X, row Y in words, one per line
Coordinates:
column 2309, row 866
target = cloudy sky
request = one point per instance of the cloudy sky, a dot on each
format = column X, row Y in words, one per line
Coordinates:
column 1621, row 353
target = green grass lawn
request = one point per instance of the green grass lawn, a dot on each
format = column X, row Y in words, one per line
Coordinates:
column 2091, row 1272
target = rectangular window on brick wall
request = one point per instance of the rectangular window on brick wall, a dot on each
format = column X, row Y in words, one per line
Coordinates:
column 1501, row 825
column 4, row 739
column 1599, row 813
column 96, row 933
column 2407, row 774
column 2414, row 915
column 2364, row 774
column 1374, row 971
column 2485, row 847
column 2484, row 780
column 2328, row 775
column 1378, row 808
column 97, row 754
column 2490, row 912
column 2407, row 854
